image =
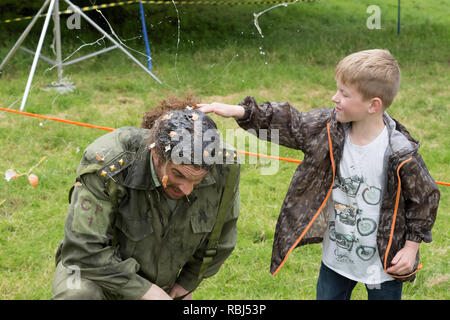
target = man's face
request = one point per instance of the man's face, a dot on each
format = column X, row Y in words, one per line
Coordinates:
column 349, row 103
column 181, row 178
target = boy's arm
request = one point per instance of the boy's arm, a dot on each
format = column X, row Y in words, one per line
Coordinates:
column 284, row 124
column 421, row 196
column 225, row 110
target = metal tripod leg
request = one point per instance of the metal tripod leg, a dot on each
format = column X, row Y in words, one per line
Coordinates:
column 23, row 36
column 36, row 57
column 77, row 9
column 57, row 34
column 53, row 9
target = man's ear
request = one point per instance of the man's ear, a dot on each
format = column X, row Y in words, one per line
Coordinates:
column 155, row 155
column 376, row 104
column 155, row 158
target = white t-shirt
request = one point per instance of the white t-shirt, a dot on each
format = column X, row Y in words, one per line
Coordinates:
column 350, row 242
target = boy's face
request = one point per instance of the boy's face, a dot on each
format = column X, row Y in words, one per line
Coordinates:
column 350, row 106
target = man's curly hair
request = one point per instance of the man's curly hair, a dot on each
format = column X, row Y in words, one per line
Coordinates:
column 171, row 104
column 174, row 126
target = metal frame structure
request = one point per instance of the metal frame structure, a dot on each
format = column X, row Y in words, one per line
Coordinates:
column 53, row 9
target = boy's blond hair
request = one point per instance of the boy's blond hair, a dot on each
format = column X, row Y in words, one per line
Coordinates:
column 374, row 73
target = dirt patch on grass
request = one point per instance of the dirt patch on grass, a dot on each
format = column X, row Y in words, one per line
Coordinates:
column 438, row 279
column 8, row 207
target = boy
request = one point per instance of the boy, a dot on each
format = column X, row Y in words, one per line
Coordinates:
column 362, row 189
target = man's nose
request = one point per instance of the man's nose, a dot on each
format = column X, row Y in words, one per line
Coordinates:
column 186, row 188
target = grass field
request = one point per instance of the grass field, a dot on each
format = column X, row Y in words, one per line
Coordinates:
column 220, row 57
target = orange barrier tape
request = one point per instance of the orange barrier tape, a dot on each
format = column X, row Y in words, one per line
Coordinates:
column 112, row 129
column 269, row 157
column 56, row 119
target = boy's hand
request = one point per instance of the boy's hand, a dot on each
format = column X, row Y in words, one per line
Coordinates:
column 403, row 261
column 221, row 109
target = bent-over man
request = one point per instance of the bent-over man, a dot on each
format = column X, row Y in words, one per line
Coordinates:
column 143, row 209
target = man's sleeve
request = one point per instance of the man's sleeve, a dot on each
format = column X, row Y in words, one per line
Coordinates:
column 88, row 241
column 188, row 277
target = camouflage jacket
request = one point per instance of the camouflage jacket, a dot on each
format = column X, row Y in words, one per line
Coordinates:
column 120, row 231
column 409, row 201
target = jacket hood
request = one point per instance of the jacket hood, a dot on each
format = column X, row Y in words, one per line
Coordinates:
column 401, row 143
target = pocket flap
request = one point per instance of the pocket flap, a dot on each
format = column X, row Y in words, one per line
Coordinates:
column 135, row 230
column 201, row 222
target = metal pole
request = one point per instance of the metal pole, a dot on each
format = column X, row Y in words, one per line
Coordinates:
column 48, row 60
column 89, row 56
column 24, row 35
column 144, row 31
column 57, row 34
column 77, row 9
column 36, row 57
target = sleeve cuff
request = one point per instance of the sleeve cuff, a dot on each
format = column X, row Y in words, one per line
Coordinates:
column 188, row 280
column 418, row 235
column 135, row 288
column 247, row 103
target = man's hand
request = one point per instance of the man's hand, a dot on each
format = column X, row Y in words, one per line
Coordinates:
column 403, row 261
column 155, row 293
column 178, row 291
column 221, row 109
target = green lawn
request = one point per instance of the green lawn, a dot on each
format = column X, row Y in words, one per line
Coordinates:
column 221, row 57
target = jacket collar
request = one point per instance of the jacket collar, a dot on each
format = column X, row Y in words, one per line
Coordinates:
column 401, row 143
column 139, row 174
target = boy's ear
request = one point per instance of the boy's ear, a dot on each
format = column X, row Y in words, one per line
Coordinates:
column 376, row 104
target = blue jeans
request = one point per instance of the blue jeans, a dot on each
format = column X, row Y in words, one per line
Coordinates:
column 333, row 286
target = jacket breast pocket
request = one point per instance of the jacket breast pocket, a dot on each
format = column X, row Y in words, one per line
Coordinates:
column 134, row 216
column 201, row 222
column 129, row 233
column 134, row 229
column 196, row 236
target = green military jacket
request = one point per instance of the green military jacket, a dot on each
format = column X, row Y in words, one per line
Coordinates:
column 120, row 230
